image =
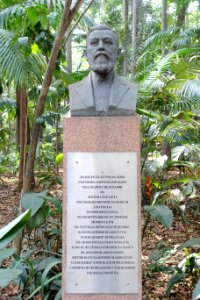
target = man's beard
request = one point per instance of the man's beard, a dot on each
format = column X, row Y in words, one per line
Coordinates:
column 102, row 65
column 102, row 68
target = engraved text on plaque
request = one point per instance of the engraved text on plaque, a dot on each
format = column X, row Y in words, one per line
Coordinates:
column 102, row 223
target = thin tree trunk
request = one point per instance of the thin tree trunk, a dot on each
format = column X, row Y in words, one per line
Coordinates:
column 182, row 7
column 21, row 96
column 69, row 54
column 67, row 18
column 69, row 32
column 18, row 118
column 125, row 21
column 164, row 14
column 134, row 5
column 164, row 24
column 57, row 136
column 134, row 22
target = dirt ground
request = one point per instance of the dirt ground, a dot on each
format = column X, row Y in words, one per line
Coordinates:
column 154, row 283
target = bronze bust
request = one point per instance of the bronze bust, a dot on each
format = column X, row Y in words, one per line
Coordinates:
column 102, row 92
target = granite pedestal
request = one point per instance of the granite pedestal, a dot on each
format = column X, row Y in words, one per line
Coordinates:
column 101, row 144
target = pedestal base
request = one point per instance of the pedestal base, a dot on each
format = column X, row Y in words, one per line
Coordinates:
column 92, row 147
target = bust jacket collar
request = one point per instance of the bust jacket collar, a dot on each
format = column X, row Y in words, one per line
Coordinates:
column 85, row 92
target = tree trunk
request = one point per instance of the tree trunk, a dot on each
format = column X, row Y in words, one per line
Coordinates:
column 21, row 96
column 164, row 14
column 125, row 21
column 134, row 22
column 69, row 54
column 57, row 136
column 67, row 18
column 182, row 7
column 18, row 118
column 136, row 6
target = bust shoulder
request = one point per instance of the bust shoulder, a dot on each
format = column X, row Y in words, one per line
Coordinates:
column 79, row 83
column 127, row 83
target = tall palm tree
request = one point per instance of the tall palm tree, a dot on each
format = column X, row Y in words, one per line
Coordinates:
column 20, row 69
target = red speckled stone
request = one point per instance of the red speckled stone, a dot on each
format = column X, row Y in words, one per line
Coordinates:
column 101, row 134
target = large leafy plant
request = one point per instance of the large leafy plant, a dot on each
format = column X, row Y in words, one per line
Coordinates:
column 38, row 269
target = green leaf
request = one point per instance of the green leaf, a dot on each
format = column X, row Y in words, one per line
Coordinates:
column 44, row 278
column 44, row 21
column 32, row 15
column 161, row 213
column 33, row 200
column 173, row 280
column 177, row 151
column 10, row 231
column 59, row 158
column 8, row 275
column 46, row 282
column 58, row 295
column 190, row 243
column 56, row 201
column 6, row 253
column 15, row 63
column 196, row 292
column 44, row 263
column 38, row 218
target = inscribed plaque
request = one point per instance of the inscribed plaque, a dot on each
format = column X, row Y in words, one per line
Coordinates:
column 102, row 223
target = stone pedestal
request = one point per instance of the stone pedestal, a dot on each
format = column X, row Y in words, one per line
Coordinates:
column 87, row 141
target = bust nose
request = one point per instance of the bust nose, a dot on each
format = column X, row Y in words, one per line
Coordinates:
column 101, row 46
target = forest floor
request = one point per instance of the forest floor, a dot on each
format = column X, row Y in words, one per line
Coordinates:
column 156, row 237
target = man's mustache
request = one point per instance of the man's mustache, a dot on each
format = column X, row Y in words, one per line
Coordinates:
column 102, row 54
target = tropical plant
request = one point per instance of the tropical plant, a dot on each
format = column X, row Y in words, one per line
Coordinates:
column 7, row 235
column 188, row 267
column 38, row 269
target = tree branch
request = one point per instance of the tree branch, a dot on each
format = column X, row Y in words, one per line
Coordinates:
column 66, row 11
column 83, row 13
column 67, row 18
column 76, row 7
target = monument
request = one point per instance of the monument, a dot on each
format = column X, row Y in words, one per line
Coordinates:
column 102, row 93
column 101, row 214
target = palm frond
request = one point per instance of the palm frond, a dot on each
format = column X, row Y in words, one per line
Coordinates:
column 14, row 64
column 10, row 8
column 6, row 103
column 191, row 88
column 8, row 3
column 56, row 5
column 163, row 67
column 173, row 38
column 161, row 37
column 186, row 37
column 6, row 13
column 86, row 23
column 182, row 104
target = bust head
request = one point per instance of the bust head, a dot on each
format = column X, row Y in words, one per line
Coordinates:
column 102, row 49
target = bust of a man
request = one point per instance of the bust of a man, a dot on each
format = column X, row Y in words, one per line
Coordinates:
column 102, row 92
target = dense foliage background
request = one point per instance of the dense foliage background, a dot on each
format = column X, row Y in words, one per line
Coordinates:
column 41, row 53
